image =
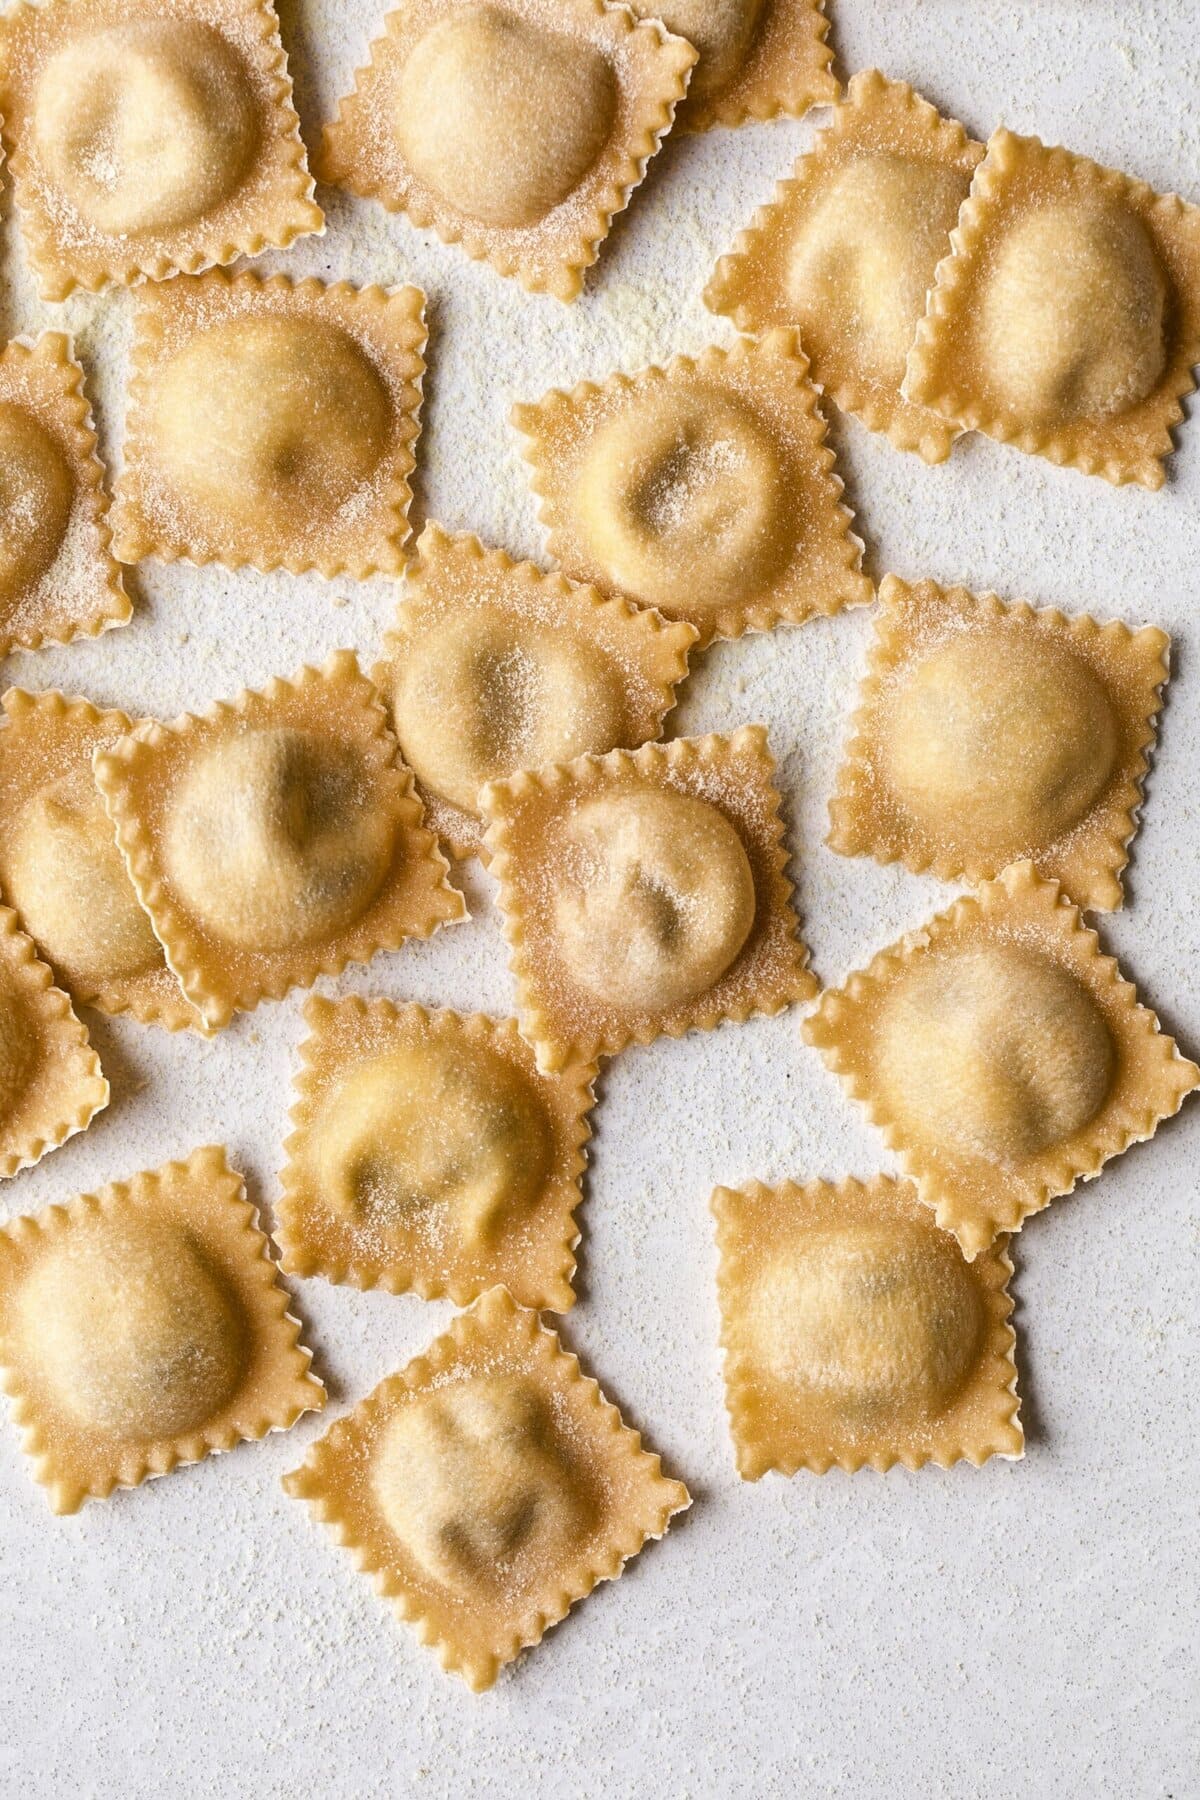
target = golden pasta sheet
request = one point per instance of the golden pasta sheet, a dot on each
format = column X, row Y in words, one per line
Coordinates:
column 487, row 1487
column 272, row 423
column 58, row 577
column 429, row 1156
column 986, row 733
column 758, row 59
column 517, row 129
column 275, row 838
column 51, row 1085
column 704, row 488
column 847, row 251
column 644, row 894
column 856, row 1334
column 143, row 1327
column 61, row 868
column 150, row 136
column 1067, row 319
column 495, row 666
column 1002, row 1055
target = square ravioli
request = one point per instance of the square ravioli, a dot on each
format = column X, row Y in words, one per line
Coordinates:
column 495, row 666
column 275, row 838
column 1067, row 319
column 430, row 1157
column 517, row 129
column 847, row 250
column 758, row 59
column 704, row 488
column 150, row 136
column 856, row 1334
column 988, row 733
column 58, row 577
column 142, row 1327
column 487, row 1487
column 272, row 423
column 1003, row 1057
column 51, row 1084
column 61, row 868
column 644, row 894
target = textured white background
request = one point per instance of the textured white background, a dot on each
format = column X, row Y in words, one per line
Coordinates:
column 1025, row 1628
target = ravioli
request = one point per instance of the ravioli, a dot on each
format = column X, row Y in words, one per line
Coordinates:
column 758, row 59
column 1067, row 321
column 1002, row 1055
column 495, row 666
column 987, row 732
column 487, row 1487
column 60, row 865
column 58, row 578
column 703, row 488
column 857, row 1335
column 847, row 250
column 272, row 423
column 148, row 140
column 275, row 838
column 518, row 129
column 643, row 894
column 428, row 1155
column 51, row 1083
column 142, row 1327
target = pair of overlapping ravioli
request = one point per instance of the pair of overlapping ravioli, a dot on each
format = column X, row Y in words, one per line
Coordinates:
column 495, row 666
column 58, row 577
column 272, row 423
column 142, row 1327
column 847, row 251
column 274, row 838
column 1067, row 319
column 1025, row 292
column 988, row 733
column 430, row 1156
column 1002, row 1055
column 857, row 1334
column 703, row 488
column 149, row 137
column 51, row 1084
column 644, row 893
column 487, row 1487
column 520, row 128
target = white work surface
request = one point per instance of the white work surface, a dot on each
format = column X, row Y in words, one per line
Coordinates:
column 1026, row 1629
